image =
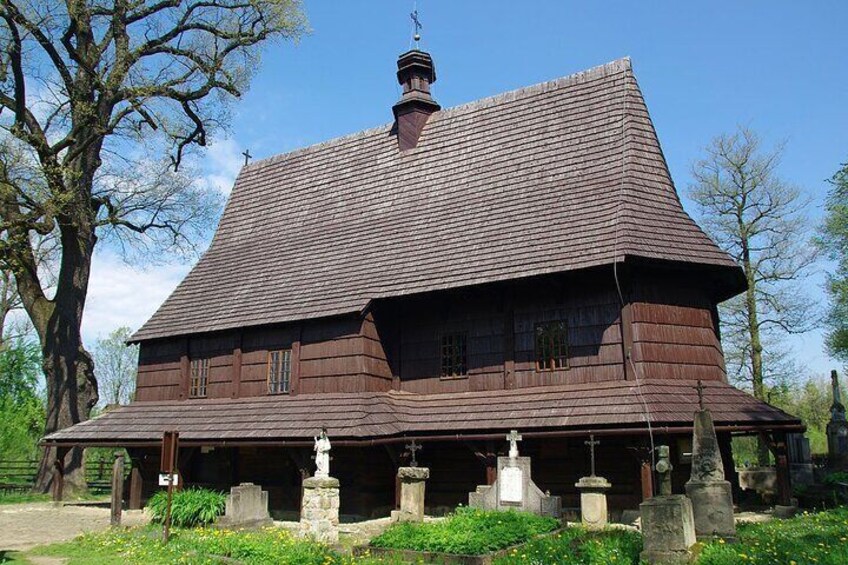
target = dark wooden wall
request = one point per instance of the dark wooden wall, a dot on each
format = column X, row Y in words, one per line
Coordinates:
column 668, row 324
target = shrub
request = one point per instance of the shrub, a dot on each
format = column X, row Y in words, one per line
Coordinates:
column 190, row 507
column 467, row 531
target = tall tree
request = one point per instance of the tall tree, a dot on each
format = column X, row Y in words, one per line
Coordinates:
column 760, row 220
column 98, row 96
column 115, row 366
column 833, row 239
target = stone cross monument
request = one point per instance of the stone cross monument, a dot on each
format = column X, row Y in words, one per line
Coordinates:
column 412, row 447
column 513, row 437
column 837, row 428
column 593, row 498
column 668, row 526
column 710, row 493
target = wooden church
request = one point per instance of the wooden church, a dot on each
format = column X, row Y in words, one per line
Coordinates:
column 520, row 262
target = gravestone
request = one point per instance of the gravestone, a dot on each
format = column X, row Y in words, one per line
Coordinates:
column 514, row 488
column 247, row 507
column 412, row 483
column 710, row 493
column 837, row 427
column 668, row 525
column 593, row 497
column 801, row 468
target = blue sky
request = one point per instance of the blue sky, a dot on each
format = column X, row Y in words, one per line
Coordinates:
column 777, row 67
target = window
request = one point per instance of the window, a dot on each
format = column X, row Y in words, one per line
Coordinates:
column 199, row 377
column 453, row 355
column 551, row 346
column 279, row 371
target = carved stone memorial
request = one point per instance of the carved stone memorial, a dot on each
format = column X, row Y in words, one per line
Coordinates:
column 593, row 497
column 710, row 493
column 514, row 488
column 247, row 507
column 837, row 427
column 668, row 526
column 412, row 488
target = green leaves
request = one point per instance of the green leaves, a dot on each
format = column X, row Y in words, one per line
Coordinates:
column 190, row 507
column 468, row 532
column 833, row 240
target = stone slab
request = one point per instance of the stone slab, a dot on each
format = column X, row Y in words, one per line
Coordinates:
column 247, row 507
column 668, row 529
column 712, row 508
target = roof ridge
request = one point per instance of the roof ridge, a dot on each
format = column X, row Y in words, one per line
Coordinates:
column 599, row 71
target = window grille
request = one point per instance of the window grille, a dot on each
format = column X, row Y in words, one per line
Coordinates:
column 551, row 346
column 279, row 371
column 454, row 361
column 199, row 377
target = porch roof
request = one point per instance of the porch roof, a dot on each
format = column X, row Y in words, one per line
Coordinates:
column 370, row 418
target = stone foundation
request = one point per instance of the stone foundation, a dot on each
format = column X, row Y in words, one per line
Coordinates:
column 319, row 513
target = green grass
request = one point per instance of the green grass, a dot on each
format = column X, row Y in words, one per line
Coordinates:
column 576, row 546
column 810, row 539
column 468, row 531
column 199, row 546
column 20, row 498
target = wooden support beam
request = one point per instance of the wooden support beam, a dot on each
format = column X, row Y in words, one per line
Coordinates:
column 117, row 489
column 236, row 386
column 294, row 385
column 488, row 456
column 776, row 442
column 58, row 483
column 185, row 370
column 136, row 486
column 647, row 479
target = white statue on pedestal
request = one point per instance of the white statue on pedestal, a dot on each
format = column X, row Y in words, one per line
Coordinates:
column 322, row 455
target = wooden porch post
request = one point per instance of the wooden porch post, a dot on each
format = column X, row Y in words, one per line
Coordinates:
column 58, row 486
column 117, row 489
column 647, row 476
column 136, row 483
column 776, row 442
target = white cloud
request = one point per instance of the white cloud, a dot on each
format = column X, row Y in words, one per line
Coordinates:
column 221, row 163
column 121, row 295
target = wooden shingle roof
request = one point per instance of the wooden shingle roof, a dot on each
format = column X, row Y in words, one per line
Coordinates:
column 555, row 177
column 373, row 417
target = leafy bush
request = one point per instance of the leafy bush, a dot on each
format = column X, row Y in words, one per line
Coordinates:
column 836, row 478
column 467, row 531
column 818, row 538
column 190, row 507
column 576, row 546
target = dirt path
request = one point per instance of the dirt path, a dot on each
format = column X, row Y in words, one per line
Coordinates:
column 23, row 526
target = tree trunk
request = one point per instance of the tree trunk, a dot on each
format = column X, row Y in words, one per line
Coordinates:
column 68, row 368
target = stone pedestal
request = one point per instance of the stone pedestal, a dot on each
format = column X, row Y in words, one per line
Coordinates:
column 514, row 489
column 412, row 483
column 711, row 495
column 712, row 505
column 247, row 507
column 319, row 512
column 668, row 529
column 593, row 502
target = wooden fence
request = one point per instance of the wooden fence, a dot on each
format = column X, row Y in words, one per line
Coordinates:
column 19, row 475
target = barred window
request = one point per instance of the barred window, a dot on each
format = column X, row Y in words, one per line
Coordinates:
column 279, row 371
column 199, row 377
column 551, row 346
column 454, row 362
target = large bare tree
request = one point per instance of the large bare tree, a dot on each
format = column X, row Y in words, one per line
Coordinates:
column 99, row 96
column 761, row 221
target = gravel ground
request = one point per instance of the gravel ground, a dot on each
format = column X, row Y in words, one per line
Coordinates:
column 23, row 526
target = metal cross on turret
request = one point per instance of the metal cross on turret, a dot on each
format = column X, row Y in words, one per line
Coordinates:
column 592, row 442
column 412, row 447
column 416, row 24
column 700, row 388
column 247, row 156
column 513, row 437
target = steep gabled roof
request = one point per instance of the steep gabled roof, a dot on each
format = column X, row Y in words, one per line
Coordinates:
column 555, row 177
